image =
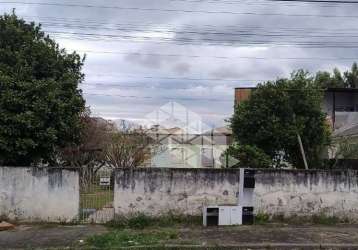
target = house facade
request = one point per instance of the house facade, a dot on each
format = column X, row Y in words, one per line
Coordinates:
column 178, row 149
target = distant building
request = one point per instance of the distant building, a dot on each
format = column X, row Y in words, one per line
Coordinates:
column 178, row 149
column 340, row 105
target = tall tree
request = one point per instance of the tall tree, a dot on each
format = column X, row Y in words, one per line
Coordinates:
column 276, row 112
column 40, row 103
column 325, row 79
column 89, row 155
column 129, row 149
column 349, row 79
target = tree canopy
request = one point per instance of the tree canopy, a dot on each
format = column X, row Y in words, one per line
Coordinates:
column 349, row 79
column 40, row 103
column 276, row 112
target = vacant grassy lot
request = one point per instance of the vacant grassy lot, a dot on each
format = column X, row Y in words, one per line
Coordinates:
column 96, row 200
column 96, row 197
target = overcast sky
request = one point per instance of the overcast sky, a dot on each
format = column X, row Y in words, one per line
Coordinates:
column 142, row 54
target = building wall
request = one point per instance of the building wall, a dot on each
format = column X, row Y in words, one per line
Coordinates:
column 242, row 94
column 35, row 194
column 277, row 192
column 346, row 105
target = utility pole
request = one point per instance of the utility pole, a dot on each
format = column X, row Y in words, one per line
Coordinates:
column 301, row 145
column 302, row 151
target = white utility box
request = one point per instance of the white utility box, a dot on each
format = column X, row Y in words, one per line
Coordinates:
column 222, row 215
column 242, row 213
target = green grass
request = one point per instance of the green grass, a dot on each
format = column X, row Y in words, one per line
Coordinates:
column 129, row 238
column 261, row 219
column 141, row 221
column 96, row 200
column 320, row 219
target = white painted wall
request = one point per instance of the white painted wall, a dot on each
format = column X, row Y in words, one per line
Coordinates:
column 156, row 191
column 306, row 193
column 33, row 194
column 278, row 192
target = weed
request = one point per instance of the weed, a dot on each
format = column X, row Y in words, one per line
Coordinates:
column 320, row 219
column 141, row 221
column 262, row 218
column 325, row 220
column 129, row 238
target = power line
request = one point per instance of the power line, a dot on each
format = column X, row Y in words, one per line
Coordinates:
column 268, row 1
column 317, row 1
column 178, row 10
column 207, row 41
column 158, row 98
column 241, row 33
column 144, row 85
column 220, row 57
column 176, row 78
column 190, row 39
column 208, row 26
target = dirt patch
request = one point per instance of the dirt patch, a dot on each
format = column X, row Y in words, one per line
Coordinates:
column 45, row 236
column 271, row 236
column 274, row 235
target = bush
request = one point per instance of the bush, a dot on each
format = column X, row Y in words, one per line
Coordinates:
column 141, row 221
column 248, row 156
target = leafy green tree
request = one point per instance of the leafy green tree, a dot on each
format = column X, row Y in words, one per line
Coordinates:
column 325, row 79
column 348, row 79
column 40, row 103
column 351, row 77
column 276, row 112
column 247, row 156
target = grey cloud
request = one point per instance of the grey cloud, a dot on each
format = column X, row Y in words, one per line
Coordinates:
column 197, row 29
column 145, row 61
column 182, row 68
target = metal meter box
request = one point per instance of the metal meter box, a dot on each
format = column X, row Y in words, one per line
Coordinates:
column 247, row 215
column 243, row 213
column 211, row 216
column 249, row 178
column 222, row 215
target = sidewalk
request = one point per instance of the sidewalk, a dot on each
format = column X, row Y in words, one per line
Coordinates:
column 273, row 236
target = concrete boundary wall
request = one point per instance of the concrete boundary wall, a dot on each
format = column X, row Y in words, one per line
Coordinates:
column 156, row 191
column 278, row 192
column 305, row 193
column 39, row 194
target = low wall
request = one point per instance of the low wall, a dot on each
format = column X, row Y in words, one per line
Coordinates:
column 36, row 194
column 157, row 191
column 306, row 193
column 277, row 192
